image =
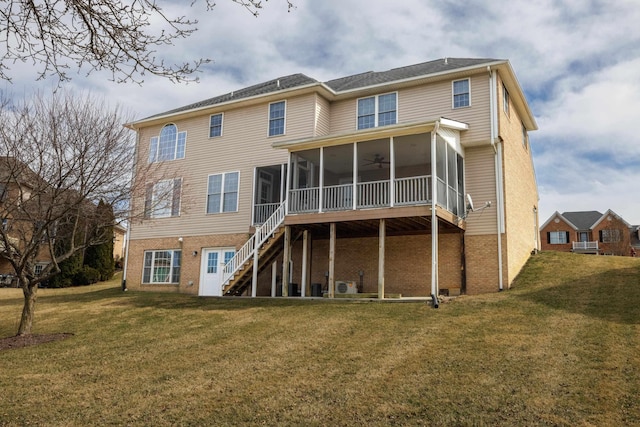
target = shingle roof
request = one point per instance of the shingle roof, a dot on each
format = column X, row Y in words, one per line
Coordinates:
column 357, row 81
column 286, row 82
column 372, row 78
column 583, row 220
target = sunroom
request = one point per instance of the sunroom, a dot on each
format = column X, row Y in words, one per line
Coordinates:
column 383, row 168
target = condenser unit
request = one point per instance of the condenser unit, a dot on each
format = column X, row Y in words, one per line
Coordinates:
column 346, row 287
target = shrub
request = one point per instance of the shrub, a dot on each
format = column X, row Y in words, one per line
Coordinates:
column 86, row 276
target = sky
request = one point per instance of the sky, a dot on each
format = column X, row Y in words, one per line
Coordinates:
column 577, row 61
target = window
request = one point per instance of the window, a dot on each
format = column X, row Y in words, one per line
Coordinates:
column 5, row 224
column 610, row 236
column 276, row 118
column 169, row 145
column 461, row 94
column 162, row 199
column 222, row 192
column 37, row 269
column 505, row 100
column 524, row 136
column 215, row 125
column 378, row 110
column 558, row 237
column 161, row 267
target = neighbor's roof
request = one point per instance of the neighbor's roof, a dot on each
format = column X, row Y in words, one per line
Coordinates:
column 583, row 220
column 340, row 85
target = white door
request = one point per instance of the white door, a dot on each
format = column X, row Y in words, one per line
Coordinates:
column 213, row 261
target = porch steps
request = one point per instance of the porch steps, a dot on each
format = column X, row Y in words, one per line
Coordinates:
column 241, row 280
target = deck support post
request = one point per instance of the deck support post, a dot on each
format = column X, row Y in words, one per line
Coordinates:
column 286, row 257
column 254, row 277
column 274, row 277
column 381, row 242
column 305, row 264
column 332, row 259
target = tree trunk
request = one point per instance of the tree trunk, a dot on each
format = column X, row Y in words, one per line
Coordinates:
column 26, row 321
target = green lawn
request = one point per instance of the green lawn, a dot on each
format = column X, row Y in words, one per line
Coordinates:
column 561, row 348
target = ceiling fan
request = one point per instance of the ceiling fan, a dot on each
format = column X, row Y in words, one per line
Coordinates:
column 377, row 160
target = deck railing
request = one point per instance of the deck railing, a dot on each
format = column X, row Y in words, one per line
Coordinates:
column 254, row 243
column 338, row 197
column 585, row 246
column 415, row 190
column 263, row 211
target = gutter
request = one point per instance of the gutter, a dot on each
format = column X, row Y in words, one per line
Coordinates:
column 497, row 148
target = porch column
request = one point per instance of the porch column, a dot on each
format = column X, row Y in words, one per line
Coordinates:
column 285, row 260
column 332, row 258
column 355, row 176
column 304, row 282
column 381, row 241
column 392, row 174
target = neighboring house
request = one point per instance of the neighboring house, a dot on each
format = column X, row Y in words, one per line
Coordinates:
column 119, row 242
column 359, row 184
column 588, row 232
column 17, row 183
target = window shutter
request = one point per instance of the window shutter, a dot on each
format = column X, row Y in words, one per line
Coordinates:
column 568, row 237
column 548, row 237
column 600, row 234
column 148, row 200
column 177, row 190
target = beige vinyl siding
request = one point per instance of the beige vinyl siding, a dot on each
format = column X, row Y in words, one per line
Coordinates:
column 243, row 146
column 480, row 183
column 427, row 102
column 323, row 116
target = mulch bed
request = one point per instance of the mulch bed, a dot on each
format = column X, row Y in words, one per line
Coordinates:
column 20, row 341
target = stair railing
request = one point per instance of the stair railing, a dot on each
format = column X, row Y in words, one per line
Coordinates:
column 254, row 243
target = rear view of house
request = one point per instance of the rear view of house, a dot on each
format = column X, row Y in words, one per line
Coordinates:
column 409, row 182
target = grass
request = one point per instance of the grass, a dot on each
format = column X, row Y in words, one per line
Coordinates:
column 561, row 348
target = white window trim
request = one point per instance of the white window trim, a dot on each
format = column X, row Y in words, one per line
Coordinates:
column 175, row 151
column 221, row 211
column 284, row 119
column 558, row 233
column 154, row 200
column 506, row 100
column 153, row 251
column 221, row 125
column 377, row 109
column 453, row 94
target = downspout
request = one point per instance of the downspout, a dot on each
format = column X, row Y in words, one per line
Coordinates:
column 434, row 218
column 498, row 166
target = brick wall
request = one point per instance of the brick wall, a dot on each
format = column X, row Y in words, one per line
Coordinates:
column 190, row 268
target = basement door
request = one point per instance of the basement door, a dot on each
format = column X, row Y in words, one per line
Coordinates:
column 213, row 260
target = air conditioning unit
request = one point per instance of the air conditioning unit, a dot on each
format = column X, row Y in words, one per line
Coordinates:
column 346, row 287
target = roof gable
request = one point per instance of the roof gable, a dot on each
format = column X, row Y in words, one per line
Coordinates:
column 583, row 220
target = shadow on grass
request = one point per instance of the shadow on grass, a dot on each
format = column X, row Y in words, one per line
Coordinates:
column 612, row 296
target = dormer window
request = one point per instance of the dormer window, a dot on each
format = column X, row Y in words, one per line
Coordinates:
column 169, row 145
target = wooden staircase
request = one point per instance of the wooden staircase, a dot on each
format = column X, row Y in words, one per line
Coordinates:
column 236, row 277
column 241, row 280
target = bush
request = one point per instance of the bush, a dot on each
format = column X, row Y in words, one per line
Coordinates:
column 86, row 276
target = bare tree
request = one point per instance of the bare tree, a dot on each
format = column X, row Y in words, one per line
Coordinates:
column 63, row 154
column 122, row 37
